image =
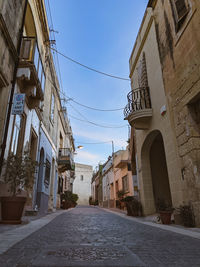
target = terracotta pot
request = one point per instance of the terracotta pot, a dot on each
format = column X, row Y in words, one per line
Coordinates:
column 12, row 209
column 165, row 216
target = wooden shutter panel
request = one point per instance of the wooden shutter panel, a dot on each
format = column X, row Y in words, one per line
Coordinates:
column 26, row 48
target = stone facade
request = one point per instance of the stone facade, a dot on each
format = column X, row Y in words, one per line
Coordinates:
column 166, row 129
column 179, row 44
column 82, row 183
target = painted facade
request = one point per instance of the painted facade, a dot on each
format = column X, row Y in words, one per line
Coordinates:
column 82, row 183
column 43, row 129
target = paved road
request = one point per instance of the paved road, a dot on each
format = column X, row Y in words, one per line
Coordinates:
column 88, row 236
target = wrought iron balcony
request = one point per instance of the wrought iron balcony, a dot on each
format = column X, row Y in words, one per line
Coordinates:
column 138, row 111
column 30, row 73
column 65, row 160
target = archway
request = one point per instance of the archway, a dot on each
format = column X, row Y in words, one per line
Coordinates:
column 155, row 180
column 40, row 178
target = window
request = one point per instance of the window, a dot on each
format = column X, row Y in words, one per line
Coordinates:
column 194, row 109
column 125, row 183
column 47, row 172
column 60, row 185
column 181, row 9
column 52, row 107
column 81, row 177
column 129, row 166
column 19, row 123
column 142, row 72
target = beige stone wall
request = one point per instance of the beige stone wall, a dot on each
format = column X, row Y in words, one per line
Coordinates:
column 9, row 29
column 180, row 58
column 147, row 42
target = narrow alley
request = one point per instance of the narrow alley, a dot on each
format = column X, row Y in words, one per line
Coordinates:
column 91, row 236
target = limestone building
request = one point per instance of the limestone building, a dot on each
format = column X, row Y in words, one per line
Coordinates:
column 82, row 183
column 43, row 128
column 163, row 106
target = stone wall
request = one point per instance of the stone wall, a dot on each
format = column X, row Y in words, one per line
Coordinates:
column 180, row 59
column 11, row 13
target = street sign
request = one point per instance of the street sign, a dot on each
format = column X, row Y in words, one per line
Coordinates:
column 18, row 104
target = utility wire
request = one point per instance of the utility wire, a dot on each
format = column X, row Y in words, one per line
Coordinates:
column 94, row 143
column 89, row 68
column 108, row 126
column 85, row 119
column 117, row 109
column 53, row 33
column 99, row 125
column 67, row 98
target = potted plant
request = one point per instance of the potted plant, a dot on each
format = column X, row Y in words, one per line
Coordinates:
column 68, row 200
column 19, row 175
column 133, row 205
column 186, row 214
column 120, row 195
column 165, row 210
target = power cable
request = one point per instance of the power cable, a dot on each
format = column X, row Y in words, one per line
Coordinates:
column 57, row 60
column 67, row 98
column 108, row 126
column 97, row 109
column 106, row 142
column 89, row 68
column 99, row 125
column 85, row 119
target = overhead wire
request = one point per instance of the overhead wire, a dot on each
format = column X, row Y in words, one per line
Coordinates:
column 97, row 109
column 85, row 119
column 57, row 59
column 89, row 68
column 106, row 142
column 99, row 125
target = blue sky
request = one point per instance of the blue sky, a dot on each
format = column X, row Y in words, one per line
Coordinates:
column 100, row 34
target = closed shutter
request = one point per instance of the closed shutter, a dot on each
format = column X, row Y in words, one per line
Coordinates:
column 26, row 48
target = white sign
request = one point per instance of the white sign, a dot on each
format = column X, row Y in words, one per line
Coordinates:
column 18, row 104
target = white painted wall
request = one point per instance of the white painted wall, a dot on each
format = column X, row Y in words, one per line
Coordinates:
column 83, row 187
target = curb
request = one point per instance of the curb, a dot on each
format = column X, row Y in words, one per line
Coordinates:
column 175, row 229
column 11, row 237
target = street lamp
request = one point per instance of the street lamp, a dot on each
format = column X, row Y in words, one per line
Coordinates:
column 111, row 141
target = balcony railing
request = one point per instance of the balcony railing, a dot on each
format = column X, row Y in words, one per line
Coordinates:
column 138, row 110
column 65, row 160
column 30, row 73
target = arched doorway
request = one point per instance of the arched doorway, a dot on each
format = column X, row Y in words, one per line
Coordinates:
column 154, row 172
column 40, row 178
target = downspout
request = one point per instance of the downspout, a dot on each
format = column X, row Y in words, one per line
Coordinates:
column 3, row 146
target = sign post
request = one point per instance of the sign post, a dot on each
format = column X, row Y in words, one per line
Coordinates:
column 18, row 104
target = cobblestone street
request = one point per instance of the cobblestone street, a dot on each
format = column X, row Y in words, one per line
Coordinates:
column 89, row 236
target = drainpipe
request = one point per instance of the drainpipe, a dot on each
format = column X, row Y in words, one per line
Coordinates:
column 3, row 146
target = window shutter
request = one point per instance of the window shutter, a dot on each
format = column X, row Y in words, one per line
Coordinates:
column 181, row 9
column 142, row 72
column 26, row 48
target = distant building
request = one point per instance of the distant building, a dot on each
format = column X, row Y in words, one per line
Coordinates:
column 82, row 183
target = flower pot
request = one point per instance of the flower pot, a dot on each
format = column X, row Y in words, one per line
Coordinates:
column 165, row 217
column 12, row 209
